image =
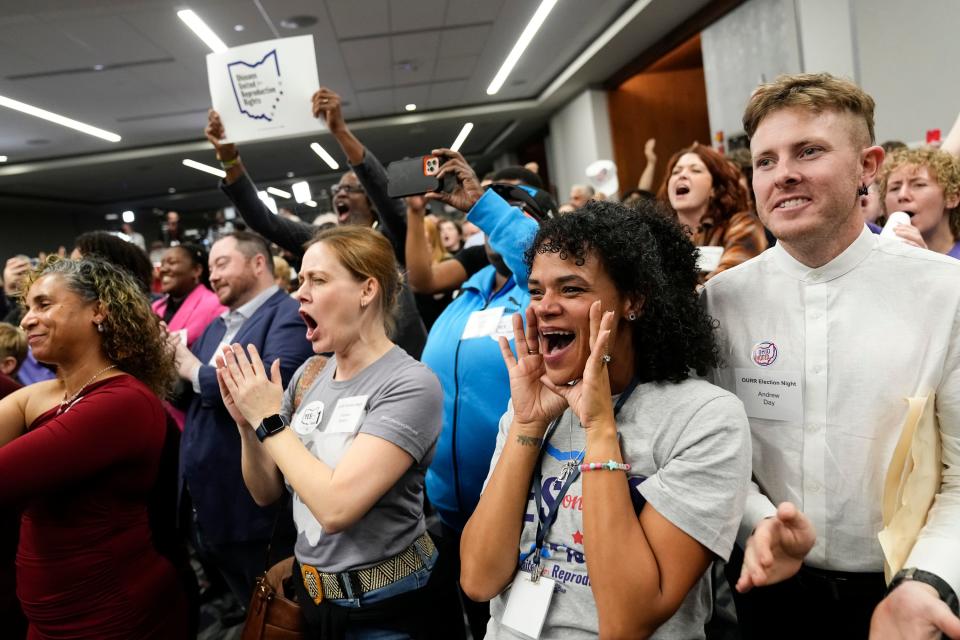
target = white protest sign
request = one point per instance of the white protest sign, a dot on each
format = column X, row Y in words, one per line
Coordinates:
column 263, row 90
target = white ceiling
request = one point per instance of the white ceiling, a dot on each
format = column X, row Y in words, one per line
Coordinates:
column 378, row 54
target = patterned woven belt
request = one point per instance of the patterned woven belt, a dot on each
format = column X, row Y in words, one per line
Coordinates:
column 327, row 586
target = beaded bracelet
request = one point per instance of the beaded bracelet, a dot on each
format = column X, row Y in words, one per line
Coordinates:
column 609, row 465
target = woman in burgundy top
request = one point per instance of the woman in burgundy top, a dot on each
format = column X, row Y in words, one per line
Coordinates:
column 81, row 455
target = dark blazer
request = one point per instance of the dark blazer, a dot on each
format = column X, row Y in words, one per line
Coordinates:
column 210, row 446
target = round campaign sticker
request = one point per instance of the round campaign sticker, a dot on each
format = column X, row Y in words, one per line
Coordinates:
column 308, row 418
column 764, row 353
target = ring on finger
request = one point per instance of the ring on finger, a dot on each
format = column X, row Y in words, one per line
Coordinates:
column 606, row 358
column 532, row 352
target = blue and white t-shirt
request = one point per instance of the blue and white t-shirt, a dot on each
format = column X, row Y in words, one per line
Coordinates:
column 688, row 446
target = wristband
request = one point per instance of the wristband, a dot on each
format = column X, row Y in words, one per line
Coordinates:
column 944, row 590
column 226, row 164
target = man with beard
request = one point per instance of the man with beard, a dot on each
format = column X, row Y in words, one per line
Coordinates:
column 228, row 529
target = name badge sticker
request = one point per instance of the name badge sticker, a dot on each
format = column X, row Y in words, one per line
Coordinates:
column 771, row 394
column 308, row 418
column 504, row 328
column 482, row 323
column 528, row 603
column 347, row 414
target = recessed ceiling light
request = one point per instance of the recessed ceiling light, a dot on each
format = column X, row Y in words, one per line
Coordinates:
column 279, row 192
column 129, row 216
column 462, row 136
column 539, row 16
column 301, row 191
column 58, row 119
column 199, row 166
column 98, row 67
column 326, row 157
column 238, row 27
column 411, row 107
column 290, row 174
column 298, row 22
column 200, row 28
column 171, row 189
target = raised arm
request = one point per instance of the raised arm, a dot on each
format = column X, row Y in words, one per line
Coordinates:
column 490, row 542
column 646, row 178
column 371, row 174
column 424, row 275
column 239, row 187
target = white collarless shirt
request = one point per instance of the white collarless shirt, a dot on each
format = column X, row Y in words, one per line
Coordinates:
column 859, row 335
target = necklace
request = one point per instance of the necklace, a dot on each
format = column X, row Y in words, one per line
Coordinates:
column 67, row 403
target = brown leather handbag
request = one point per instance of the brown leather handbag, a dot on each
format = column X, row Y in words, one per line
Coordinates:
column 271, row 614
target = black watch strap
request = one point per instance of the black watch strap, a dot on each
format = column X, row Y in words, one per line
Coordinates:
column 271, row 425
column 945, row 591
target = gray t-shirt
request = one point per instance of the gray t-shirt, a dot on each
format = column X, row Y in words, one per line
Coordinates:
column 688, row 446
column 395, row 398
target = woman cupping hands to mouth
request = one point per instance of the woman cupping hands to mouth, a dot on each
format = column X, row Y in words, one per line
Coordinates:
column 609, row 456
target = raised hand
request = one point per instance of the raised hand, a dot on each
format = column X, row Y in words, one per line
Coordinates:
column 534, row 404
column 468, row 189
column 228, row 402
column 590, row 398
column 328, row 105
column 215, row 133
column 649, row 150
column 254, row 394
column 776, row 548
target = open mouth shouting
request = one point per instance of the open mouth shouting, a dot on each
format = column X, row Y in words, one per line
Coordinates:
column 311, row 324
column 555, row 343
column 342, row 207
column 682, row 190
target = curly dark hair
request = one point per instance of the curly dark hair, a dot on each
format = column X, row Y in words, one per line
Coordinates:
column 647, row 255
column 729, row 196
column 132, row 336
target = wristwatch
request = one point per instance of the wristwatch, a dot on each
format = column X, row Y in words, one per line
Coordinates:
column 945, row 591
column 271, row 425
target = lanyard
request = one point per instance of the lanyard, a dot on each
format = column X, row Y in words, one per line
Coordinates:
column 544, row 524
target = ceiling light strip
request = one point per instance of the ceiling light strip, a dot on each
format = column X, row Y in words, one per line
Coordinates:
column 199, row 166
column 326, row 157
column 278, row 192
column 200, row 28
column 462, row 136
column 522, row 42
column 55, row 118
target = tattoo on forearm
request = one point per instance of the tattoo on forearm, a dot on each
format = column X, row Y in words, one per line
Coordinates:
column 529, row 441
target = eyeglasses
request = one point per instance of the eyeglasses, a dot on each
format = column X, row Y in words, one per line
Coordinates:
column 349, row 188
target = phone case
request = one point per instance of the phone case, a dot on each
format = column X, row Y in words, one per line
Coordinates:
column 412, row 177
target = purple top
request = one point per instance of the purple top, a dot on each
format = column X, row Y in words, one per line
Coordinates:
column 955, row 252
column 875, row 228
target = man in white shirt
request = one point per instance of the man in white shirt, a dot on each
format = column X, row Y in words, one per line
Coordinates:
column 824, row 337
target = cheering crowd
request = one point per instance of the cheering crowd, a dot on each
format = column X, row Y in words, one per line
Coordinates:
column 669, row 416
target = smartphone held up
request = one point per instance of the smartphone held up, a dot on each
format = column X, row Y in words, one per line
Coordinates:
column 416, row 176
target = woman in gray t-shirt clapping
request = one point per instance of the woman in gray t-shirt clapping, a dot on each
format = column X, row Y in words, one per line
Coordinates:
column 354, row 449
column 617, row 478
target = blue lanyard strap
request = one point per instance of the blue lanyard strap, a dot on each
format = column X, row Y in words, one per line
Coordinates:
column 544, row 524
